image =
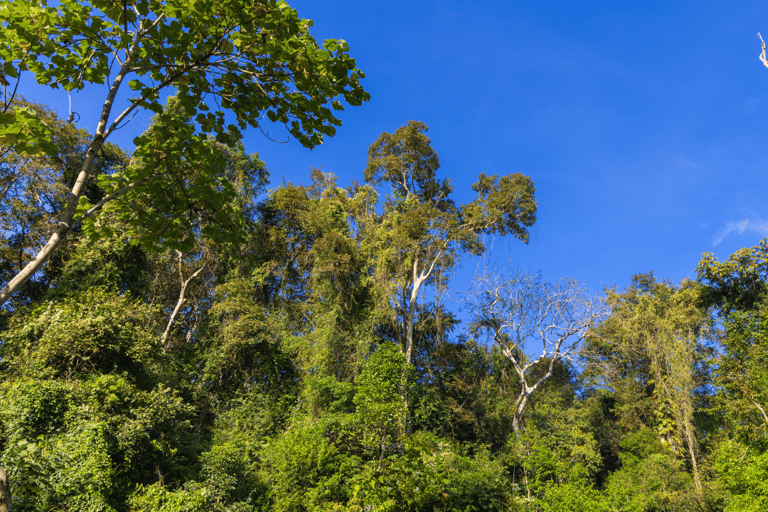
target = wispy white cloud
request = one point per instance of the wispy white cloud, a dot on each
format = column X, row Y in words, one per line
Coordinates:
column 752, row 225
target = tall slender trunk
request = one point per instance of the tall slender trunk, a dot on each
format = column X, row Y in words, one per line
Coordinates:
column 691, row 442
column 760, row 408
column 65, row 219
column 64, row 225
column 409, row 320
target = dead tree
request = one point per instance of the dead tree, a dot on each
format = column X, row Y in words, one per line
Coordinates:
column 526, row 315
column 763, row 59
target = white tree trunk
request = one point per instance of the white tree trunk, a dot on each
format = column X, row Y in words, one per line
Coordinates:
column 180, row 301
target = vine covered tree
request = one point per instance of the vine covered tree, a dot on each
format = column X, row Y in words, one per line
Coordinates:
column 654, row 341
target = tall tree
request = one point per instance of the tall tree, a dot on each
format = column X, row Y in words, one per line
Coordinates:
column 737, row 289
column 253, row 60
column 421, row 231
column 656, row 336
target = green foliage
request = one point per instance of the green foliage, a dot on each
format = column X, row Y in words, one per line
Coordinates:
column 112, row 264
column 380, row 388
column 72, row 470
column 242, row 349
column 84, row 445
column 504, row 205
column 657, row 335
column 430, row 474
column 574, row 497
column 655, row 482
column 34, row 190
column 25, row 132
column 153, row 498
column 743, row 374
column 180, row 186
column 253, row 61
column 34, row 408
column 303, row 469
column 231, row 475
column 83, row 333
column 421, row 233
column 736, row 288
column 407, row 161
column 468, row 396
column 739, row 283
column 557, row 446
column 216, row 49
column 744, row 471
column 312, row 376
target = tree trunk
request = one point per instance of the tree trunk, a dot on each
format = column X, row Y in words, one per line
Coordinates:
column 519, row 407
column 760, row 408
column 5, row 492
column 179, row 302
column 67, row 215
column 691, row 442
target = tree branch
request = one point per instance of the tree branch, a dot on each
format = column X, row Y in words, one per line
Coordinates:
column 180, row 301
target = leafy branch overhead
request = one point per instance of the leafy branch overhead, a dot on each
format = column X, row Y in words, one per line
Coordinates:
column 256, row 61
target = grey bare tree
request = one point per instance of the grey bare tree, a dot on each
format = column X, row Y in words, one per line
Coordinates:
column 526, row 315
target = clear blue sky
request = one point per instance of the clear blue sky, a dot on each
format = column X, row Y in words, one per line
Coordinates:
column 642, row 124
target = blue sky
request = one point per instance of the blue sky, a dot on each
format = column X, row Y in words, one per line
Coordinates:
column 642, row 125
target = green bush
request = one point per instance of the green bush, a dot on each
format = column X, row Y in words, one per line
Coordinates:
column 430, row 474
column 85, row 333
column 573, row 497
column 153, row 498
column 304, row 470
column 744, row 472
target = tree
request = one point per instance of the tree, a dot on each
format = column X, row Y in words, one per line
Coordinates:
column 253, row 60
column 33, row 189
column 656, row 337
column 522, row 309
column 421, row 232
column 736, row 289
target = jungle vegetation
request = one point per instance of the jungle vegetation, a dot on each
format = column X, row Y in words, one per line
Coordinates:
column 176, row 337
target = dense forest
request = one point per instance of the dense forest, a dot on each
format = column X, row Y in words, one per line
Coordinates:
column 175, row 336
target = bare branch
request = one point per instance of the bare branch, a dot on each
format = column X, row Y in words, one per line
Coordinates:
column 181, row 300
column 760, row 408
column 518, row 309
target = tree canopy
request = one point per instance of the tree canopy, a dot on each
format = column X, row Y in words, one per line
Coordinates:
column 254, row 61
column 197, row 342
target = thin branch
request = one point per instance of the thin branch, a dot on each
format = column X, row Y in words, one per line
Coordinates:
column 760, row 408
column 181, row 300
